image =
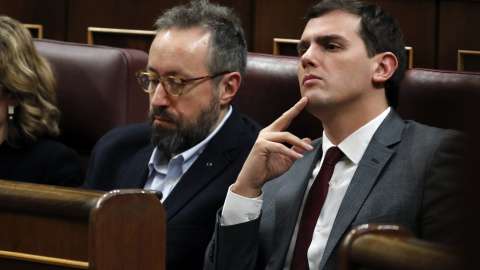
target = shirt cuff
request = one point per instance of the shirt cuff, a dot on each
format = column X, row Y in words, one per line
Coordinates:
column 238, row 209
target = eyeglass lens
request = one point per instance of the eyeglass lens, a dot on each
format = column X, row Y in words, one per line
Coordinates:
column 172, row 85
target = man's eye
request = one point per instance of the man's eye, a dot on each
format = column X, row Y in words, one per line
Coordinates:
column 173, row 81
column 331, row 47
column 152, row 78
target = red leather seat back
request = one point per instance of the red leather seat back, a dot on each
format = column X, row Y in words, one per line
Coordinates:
column 96, row 89
column 445, row 99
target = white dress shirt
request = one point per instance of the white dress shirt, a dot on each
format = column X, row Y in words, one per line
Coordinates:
column 164, row 175
column 238, row 209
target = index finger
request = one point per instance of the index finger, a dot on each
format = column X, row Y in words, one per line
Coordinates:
column 283, row 122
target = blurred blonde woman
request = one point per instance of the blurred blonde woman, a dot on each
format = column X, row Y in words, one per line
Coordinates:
column 29, row 116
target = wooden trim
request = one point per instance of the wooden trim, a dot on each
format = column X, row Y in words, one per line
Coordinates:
column 91, row 30
column 54, row 217
column 410, row 56
column 39, row 28
column 277, row 41
column 43, row 259
column 388, row 246
column 45, row 199
column 461, row 60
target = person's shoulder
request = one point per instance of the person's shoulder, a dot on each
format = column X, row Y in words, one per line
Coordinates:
column 423, row 136
column 123, row 141
column 51, row 146
column 53, row 152
column 430, row 132
column 250, row 130
column 133, row 130
column 130, row 134
column 249, row 125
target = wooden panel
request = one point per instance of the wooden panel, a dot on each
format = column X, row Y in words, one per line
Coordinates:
column 125, row 14
column 131, row 14
column 436, row 29
column 278, row 19
column 121, row 38
column 49, row 13
column 416, row 18
column 285, row 46
column 459, row 29
column 468, row 60
column 36, row 30
column 128, row 224
column 50, row 227
column 49, row 235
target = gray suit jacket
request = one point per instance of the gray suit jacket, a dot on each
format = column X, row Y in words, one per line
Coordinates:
column 408, row 176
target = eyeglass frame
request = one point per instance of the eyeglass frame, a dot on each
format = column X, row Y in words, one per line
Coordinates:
column 183, row 81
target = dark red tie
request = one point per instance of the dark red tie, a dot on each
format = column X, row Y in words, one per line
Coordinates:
column 313, row 207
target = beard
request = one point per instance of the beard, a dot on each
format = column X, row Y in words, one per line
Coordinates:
column 188, row 132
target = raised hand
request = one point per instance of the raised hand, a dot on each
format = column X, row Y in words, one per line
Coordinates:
column 269, row 157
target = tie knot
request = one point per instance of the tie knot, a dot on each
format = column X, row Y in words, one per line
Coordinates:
column 333, row 155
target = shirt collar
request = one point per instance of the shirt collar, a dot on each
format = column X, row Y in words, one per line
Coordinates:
column 355, row 145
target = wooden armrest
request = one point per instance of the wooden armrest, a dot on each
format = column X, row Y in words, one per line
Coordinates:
column 390, row 246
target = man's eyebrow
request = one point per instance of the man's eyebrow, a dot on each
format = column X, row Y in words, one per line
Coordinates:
column 155, row 72
column 320, row 40
column 326, row 38
column 150, row 69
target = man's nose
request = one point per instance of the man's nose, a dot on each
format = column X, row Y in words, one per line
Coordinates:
column 307, row 59
column 160, row 97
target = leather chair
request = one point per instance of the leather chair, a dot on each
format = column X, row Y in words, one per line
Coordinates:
column 439, row 98
column 390, row 246
column 96, row 90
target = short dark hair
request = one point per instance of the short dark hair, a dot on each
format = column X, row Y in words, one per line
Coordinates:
column 228, row 48
column 379, row 31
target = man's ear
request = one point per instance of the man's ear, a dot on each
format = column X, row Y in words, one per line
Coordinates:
column 229, row 86
column 386, row 65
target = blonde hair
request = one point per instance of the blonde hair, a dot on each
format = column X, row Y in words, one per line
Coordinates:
column 27, row 76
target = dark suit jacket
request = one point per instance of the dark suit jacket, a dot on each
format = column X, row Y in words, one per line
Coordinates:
column 45, row 162
column 406, row 176
column 120, row 160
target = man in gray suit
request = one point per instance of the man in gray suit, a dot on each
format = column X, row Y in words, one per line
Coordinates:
column 351, row 67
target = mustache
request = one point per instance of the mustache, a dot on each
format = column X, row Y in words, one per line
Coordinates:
column 162, row 112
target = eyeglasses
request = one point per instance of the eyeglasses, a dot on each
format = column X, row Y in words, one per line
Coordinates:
column 172, row 85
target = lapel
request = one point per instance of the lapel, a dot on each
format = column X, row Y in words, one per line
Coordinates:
column 219, row 153
column 376, row 156
column 135, row 175
column 290, row 189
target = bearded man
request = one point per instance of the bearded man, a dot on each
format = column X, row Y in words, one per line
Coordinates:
column 196, row 142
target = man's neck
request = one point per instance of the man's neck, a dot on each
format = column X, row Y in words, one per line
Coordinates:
column 340, row 124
